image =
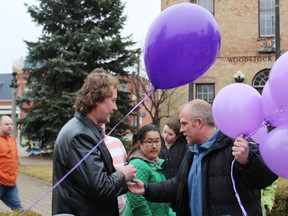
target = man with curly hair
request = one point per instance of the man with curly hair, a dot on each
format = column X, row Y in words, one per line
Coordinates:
column 93, row 187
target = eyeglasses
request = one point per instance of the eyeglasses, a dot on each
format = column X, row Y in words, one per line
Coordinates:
column 152, row 142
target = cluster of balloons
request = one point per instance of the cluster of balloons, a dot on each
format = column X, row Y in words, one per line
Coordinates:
column 239, row 109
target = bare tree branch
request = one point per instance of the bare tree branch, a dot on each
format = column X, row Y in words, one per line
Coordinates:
column 153, row 104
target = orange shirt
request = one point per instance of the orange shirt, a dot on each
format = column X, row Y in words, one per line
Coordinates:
column 8, row 160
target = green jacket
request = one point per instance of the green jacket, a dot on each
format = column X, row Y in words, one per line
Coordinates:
column 147, row 171
column 268, row 197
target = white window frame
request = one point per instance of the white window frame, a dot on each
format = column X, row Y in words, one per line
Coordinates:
column 267, row 18
column 208, row 4
column 207, row 94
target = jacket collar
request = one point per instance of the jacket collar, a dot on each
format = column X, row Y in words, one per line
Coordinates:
column 96, row 129
column 219, row 142
column 139, row 154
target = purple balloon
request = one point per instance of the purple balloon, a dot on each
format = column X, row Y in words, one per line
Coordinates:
column 274, row 151
column 181, row 44
column 273, row 113
column 237, row 110
column 278, row 80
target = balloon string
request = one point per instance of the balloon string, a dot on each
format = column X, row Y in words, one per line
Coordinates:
column 265, row 123
column 279, row 110
column 275, row 112
column 244, row 213
column 150, row 91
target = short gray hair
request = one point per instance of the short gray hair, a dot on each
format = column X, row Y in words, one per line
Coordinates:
column 200, row 109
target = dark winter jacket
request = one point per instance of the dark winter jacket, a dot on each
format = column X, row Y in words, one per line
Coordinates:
column 92, row 188
column 217, row 189
column 173, row 156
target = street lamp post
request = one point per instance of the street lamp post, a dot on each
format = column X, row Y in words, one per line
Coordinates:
column 277, row 29
column 138, row 92
column 16, row 67
column 14, row 86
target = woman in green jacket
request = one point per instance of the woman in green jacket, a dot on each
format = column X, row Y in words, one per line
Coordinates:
column 144, row 157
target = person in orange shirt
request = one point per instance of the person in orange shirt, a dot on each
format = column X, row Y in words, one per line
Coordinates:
column 8, row 165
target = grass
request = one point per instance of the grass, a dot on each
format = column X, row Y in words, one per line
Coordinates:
column 17, row 213
column 42, row 172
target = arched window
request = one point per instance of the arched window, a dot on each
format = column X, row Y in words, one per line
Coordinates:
column 260, row 80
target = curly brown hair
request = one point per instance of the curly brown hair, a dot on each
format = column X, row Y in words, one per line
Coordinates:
column 96, row 88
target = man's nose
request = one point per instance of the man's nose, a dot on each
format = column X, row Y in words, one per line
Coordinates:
column 115, row 108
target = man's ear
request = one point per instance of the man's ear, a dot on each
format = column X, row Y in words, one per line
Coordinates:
column 200, row 122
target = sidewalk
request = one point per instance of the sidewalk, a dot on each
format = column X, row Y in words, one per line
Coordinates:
column 32, row 189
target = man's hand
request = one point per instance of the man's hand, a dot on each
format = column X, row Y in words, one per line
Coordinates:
column 136, row 187
column 240, row 150
column 129, row 172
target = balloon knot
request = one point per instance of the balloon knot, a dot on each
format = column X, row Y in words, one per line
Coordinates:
column 151, row 89
column 266, row 123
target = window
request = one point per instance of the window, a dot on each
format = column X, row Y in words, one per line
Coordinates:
column 267, row 18
column 260, row 80
column 124, row 85
column 208, row 4
column 205, row 92
column 134, row 123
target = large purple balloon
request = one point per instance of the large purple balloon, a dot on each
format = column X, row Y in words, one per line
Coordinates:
column 274, row 151
column 273, row 113
column 181, row 44
column 278, row 81
column 237, row 110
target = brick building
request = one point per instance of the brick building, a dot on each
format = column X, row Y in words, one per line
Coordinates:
column 248, row 48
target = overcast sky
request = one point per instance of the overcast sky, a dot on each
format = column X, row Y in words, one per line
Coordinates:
column 17, row 26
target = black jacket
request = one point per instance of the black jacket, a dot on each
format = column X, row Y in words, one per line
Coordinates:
column 173, row 156
column 92, row 188
column 218, row 194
